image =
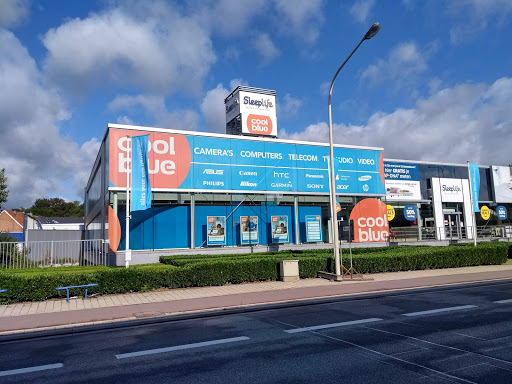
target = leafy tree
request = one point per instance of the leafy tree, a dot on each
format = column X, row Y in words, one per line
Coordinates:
column 56, row 207
column 4, row 192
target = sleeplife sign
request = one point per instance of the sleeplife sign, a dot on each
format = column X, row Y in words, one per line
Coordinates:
column 180, row 161
column 451, row 190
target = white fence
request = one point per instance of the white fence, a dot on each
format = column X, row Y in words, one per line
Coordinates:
column 53, row 253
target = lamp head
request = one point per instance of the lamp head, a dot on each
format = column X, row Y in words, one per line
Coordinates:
column 374, row 29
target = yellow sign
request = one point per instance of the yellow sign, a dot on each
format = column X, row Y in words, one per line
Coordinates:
column 485, row 212
column 391, row 212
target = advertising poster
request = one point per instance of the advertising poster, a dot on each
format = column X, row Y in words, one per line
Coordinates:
column 279, row 225
column 370, row 221
column 249, row 230
column 201, row 163
column 313, row 229
column 141, row 186
column 501, row 211
column 410, row 212
column 216, row 230
column 402, row 181
column 502, row 180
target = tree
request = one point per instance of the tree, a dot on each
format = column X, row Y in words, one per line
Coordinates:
column 4, row 192
column 56, row 207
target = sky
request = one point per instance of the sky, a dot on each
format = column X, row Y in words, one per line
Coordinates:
column 435, row 84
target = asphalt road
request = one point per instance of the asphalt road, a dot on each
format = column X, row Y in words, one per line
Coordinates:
column 447, row 335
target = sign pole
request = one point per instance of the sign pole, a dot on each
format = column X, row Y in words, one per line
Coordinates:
column 127, row 252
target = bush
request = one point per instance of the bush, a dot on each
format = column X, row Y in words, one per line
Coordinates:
column 208, row 270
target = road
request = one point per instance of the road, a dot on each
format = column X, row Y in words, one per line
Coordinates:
column 459, row 334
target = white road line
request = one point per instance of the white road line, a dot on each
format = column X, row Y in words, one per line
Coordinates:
column 31, row 369
column 180, row 347
column 439, row 310
column 503, row 301
column 333, row 325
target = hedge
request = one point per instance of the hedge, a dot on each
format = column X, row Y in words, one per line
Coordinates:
column 208, row 270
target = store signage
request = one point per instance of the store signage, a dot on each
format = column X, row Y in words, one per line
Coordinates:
column 502, row 212
column 249, row 230
column 190, row 162
column 258, row 113
column 410, row 212
column 370, row 221
column 451, row 190
column 216, row 230
column 502, row 180
column 474, row 177
column 485, row 212
column 390, row 212
column 141, row 186
column 314, row 229
column 279, row 227
column 402, row 181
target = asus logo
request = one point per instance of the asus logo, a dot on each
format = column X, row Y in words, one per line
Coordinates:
column 213, row 171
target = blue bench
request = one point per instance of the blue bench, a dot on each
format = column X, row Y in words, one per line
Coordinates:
column 77, row 286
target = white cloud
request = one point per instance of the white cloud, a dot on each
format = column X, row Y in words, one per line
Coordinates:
column 300, row 18
column 289, row 107
column 213, row 109
column 157, row 50
column 473, row 16
column 266, row 48
column 155, row 106
column 467, row 122
column 40, row 161
column 361, row 9
column 405, row 61
column 13, row 12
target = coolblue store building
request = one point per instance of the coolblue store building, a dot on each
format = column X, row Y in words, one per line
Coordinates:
column 213, row 191
column 246, row 189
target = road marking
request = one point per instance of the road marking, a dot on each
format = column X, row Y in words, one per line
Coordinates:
column 503, row 301
column 180, row 347
column 333, row 325
column 31, row 369
column 439, row 310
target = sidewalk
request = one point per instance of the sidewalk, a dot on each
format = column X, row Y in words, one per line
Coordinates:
column 52, row 315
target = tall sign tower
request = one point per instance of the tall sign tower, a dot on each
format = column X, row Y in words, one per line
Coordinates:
column 251, row 111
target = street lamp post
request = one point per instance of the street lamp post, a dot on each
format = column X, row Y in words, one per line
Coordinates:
column 374, row 29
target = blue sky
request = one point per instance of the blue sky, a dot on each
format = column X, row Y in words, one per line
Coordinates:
column 434, row 84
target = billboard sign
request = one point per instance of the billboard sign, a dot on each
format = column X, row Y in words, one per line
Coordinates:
column 502, row 180
column 279, row 226
column 216, row 230
column 451, row 190
column 313, row 229
column 402, row 181
column 249, row 230
column 178, row 161
column 370, row 221
column 501, row 211
column 410, row 212
column 258, row 113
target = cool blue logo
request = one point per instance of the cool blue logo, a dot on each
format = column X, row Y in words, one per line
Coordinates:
column 502, row 212
column 410, row 212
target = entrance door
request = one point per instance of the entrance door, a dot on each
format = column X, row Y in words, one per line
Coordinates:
column 452, row 226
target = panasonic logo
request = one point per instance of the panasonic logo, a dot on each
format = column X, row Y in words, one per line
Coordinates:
column 365, row 178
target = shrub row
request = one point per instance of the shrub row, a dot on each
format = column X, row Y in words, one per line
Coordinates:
column 180, row 272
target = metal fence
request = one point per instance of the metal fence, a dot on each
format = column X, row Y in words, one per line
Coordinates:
column 53, row 253
column 450, row 233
